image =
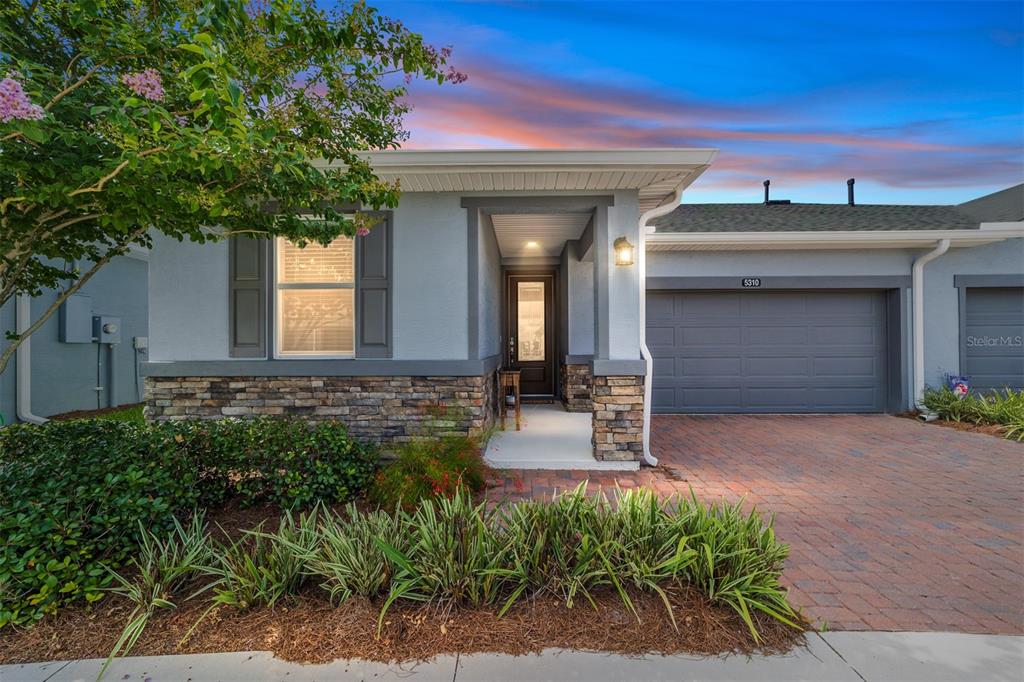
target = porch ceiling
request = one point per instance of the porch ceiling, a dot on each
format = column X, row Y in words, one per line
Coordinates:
column 655, row 173
column 537, row 234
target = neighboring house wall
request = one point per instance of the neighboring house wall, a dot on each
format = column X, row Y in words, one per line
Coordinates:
column 64, row 374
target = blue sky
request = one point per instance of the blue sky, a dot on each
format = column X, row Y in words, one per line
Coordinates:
column 922, row 102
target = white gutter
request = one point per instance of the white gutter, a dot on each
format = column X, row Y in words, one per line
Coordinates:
column 989, row 232
column 917, row 284
column 23, row 362
column 645, row 353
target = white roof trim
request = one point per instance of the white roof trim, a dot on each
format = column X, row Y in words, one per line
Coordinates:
column 655, row 173
column 541, row 158
column 743, row 241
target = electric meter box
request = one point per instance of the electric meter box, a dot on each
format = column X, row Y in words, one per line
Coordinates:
column 106, row 329
column 75, row 320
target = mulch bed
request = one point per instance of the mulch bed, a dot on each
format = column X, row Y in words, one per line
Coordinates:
column 310, row 630
column 987, row 429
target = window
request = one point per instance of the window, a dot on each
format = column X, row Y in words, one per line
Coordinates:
column 315, row 292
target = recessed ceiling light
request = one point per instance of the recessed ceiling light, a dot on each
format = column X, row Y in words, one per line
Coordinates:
column 531, row 245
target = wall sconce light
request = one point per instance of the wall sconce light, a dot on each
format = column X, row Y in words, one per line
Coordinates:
column 623, row 251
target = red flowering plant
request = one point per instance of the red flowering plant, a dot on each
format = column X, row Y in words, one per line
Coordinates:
column 434, row 464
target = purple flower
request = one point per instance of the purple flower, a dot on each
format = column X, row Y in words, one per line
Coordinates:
column 454, row 76
column 145, row 84
column 362, row 231
column 15, row 104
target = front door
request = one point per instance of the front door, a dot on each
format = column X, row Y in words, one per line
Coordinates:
column 530, row 330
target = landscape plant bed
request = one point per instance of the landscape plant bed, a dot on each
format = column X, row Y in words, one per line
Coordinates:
column 311, row 630
column 987, row 429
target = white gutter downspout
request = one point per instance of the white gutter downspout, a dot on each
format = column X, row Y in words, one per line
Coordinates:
column 23, row 362
column 645, row 353
column 917, row 284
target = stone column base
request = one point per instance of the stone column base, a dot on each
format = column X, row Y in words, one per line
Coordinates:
column 618, row 417
column 576, row 387
column 381, row 409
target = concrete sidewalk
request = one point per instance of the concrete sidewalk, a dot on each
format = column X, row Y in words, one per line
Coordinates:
column 838, row 656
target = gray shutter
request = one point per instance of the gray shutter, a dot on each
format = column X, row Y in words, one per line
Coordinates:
column 373, row 292
column 247, row 297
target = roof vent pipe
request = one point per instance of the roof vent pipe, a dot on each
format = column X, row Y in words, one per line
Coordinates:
column 849, row 191
column 766, row 184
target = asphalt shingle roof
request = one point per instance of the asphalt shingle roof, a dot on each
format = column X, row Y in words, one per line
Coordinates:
column 812, row 218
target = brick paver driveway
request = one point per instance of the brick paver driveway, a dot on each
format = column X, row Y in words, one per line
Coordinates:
column 894, row 525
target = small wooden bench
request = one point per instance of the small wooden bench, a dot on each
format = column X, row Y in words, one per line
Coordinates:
column 509, row 379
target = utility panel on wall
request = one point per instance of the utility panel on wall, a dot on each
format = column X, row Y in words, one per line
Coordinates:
column 75, row 319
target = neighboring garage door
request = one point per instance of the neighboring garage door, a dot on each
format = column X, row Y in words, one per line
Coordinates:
column 994, row 338
column 767, row 351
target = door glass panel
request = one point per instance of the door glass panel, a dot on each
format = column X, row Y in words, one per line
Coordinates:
column 531, row 322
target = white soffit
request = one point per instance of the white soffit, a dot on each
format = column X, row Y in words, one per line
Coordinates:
column 655, row 173
column 536, row 234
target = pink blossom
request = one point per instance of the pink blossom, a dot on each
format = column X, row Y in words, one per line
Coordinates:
column 145, row 84
column 15, row 104
column 362, row 231
column 454, row 76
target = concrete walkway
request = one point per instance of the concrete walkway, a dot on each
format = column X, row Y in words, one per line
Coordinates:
column 550, row 439
column 839, row 656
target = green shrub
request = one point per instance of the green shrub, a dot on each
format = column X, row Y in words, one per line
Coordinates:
column 1003, row 408
column 74, row 493
column 430, row 467
column 289, row 462
column 72, row 497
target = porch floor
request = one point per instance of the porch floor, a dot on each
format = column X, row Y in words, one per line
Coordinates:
column 551, row 438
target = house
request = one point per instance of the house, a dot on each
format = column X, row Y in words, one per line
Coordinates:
column 568, row 265
column 54, row 372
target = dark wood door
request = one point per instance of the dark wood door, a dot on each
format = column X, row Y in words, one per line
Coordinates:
column 530, row 332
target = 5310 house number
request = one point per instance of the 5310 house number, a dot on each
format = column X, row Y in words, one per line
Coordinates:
column 751, row 282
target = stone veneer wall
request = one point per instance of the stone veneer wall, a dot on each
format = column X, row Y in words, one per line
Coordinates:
column 382, row 409
column 618, row 417
column 576, row 387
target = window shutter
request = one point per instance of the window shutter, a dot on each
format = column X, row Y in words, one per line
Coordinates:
column 373, row 292
column 247, row 297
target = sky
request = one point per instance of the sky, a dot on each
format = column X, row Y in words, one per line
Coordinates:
column 921, row 102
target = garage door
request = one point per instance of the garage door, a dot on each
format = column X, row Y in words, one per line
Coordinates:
column 994, row 338
column 767, row 351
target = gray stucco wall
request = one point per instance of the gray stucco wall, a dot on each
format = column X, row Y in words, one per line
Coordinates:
column 188, row 297
column 64, row 375
column 489, row 301
column 623, row 281
column 430, row 287
column 942, row 305
column 942, row 342
column 188, row 288
column 580, row 285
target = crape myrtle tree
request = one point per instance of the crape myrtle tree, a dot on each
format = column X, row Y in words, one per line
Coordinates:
column 123, row 118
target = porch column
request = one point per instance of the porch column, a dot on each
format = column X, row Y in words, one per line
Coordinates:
column 618, row 367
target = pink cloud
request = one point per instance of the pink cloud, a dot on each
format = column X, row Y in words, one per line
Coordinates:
column 507, row 106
